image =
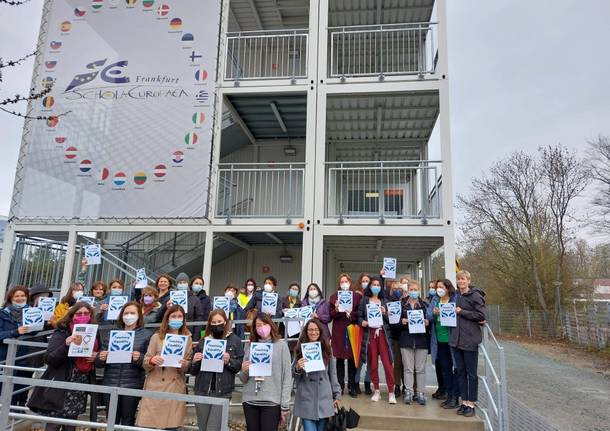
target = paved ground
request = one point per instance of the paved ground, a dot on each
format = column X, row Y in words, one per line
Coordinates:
column 568, row 396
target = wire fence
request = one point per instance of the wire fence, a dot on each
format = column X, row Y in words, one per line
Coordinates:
column 583, row 323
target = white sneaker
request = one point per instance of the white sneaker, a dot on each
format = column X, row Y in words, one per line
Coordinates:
column 376, row 396
column 392, row 399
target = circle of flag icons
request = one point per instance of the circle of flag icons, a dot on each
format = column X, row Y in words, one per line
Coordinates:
column 201, row 74
column 187, row 37
column 131, row 2
column 55, row 45
column 178, row 157
column 52, row 121
column 65, row 26
column 79, row 12
column 160, row 170
column 104, row 174
column 48, row 101
column 85, row 165
column 97, row 4
column 139, row 178
column 163, row 10
column 198, row 118
column 60, row 139
column 190, row 138
column 175, row 23
column 119, row 179
column 70, row 153
column 148, row 3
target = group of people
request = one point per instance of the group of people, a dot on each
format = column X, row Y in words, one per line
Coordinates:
column 265, row 400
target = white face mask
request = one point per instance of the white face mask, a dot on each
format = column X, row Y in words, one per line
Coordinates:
column 344, row 286
column 363, row 285
column 229, row 294
column 130, row 319
column 441, row 292
column 77, row 294
column 313, row 294
column 268, row 287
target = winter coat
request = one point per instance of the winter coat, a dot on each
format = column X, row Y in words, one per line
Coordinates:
column 8, row 329
column 151, row 317
column 161, row 312
column 408, row 340
column 59, row 368
column 315, row 392
column 159, row 413
column 129, row 375
column 430, row 316
column 322, row 309
column 468, row 333
column 365, row 339
column 339, row 339
column 206, row 304
column 224, row 383
column 257, row 302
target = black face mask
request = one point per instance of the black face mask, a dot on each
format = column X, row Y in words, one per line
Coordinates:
column 217, row 330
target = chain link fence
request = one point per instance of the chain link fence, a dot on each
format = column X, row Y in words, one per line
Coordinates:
column 583, row 323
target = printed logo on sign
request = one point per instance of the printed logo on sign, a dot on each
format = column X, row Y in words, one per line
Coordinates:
column 416, row 318
column 261, row 354
column 173, row 346
column 345, row 299
column 33, row 316
column 214, row 349
column 375, row 312
column 268, row 300
column 306, row 312
column 448, row 312
column 393, row 308
column 92, row 252
column 311, row 353
column 110, row 74
column 115, row 305
column 121, row 342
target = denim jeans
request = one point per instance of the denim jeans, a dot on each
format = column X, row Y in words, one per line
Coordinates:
column 311, row 425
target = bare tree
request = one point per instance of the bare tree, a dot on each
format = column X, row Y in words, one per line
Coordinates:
column 599, row 152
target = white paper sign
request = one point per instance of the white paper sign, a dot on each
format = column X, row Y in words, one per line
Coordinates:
column 373, row 315
column 345, row 300
column 389, row 267
column 174, row 349
column 416, row 321
column 120, row 347
column 93, row 254
column 141, row 278
column 222, row 303
column 292, row 327
column 306, row 313
column 33, row 318
column 447, row 313
column 88, row 333
column 213, row 352
column 88, row 299
column 47, row 305
column 269, row 303
column 260, row 359
column 179, row 297
column 312, row 353
column 115, row 303
column 394, row 312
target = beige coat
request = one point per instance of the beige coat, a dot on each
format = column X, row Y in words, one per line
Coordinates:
column 158, row 413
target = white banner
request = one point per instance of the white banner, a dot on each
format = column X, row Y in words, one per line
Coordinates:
column 136, row 81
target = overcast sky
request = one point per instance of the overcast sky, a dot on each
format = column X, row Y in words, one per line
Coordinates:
column 523, row 74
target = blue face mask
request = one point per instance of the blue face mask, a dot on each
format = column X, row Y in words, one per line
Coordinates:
column 182, row 286
column 19, row 304
column 398, row 293
column 414, row 294
column 116, row 292
column 293, row 293
column 175, row 323
column 197, row 288
column 375, row 290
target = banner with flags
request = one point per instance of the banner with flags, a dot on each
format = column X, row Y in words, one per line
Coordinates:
column 129, row 118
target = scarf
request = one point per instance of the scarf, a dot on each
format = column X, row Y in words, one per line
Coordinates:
column 16, row 313
column 147, row 309
column 82, row 364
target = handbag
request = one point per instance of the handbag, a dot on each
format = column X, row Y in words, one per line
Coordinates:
column 352, row 418
column 44, row 399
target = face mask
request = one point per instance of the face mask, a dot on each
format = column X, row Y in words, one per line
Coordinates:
column 441, row 292
column 116, row 291
column 344, row 286
column 398, row 293
column 229, row 294
column 432, row 291
column 77, row 294
column 19, row 304
column 414, row 294
column 268, row 288
column 182, row 286
column 148, row 300
column 263, row 331
column 81, row 320
column 197, row 287
column 250, row 287
column 130, row 319
column 175, row 323
column 363, row 285
column 293, row 293
column 404, row 286
column 217, row 330
column 375, row 290
column 313, row 294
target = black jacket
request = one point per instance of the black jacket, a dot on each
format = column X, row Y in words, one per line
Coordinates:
column 8, row 329
column 413, row 341
column 130, row 375
column 224, row 382
column 206, row 304
column 468, row 333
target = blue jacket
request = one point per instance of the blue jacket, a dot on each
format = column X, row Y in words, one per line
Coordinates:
column 430, row 317
column 8, row 329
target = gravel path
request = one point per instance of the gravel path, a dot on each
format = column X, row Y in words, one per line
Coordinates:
column 567, row 396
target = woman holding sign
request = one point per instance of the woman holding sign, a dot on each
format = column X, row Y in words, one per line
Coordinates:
column 124, row 369
column 317, row 390
column 211, row 381
column 11, row 326
column 465, row 340
column 267, row 377
column 69, row 358
column 321, row 308
column 373, row 316
column 166, row 368
column 414, row 343
column 256, row 302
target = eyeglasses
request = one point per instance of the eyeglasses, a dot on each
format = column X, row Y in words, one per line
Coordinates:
column 82, row 313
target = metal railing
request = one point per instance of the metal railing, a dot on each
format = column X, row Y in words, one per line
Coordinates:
column 493, row 399
column 267, row 54
column 250, row 190
column 380, row 50
column 37, row 260
column 383, row 189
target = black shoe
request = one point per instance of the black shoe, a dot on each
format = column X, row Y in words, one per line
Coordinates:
column 439, row 395
column 353, row 393
column 451, row 403
column 460, row 411
column 468, row 412
column 358, row 390
column 367, row 388
column 397, row 392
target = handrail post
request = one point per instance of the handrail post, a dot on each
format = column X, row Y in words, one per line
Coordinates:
column 112, row 409
column 7, row 387
column 503, row 402
column 224, row 420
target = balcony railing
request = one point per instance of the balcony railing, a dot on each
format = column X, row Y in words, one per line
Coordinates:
column 255, row 190
column 383, row 190
column 266, row 54
column 380, row 50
